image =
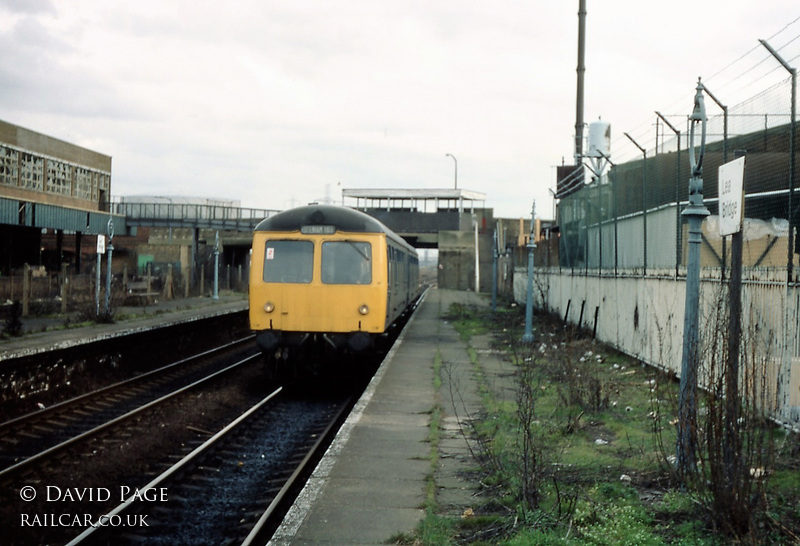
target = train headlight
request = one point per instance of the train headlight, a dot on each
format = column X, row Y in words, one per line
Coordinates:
column 269, row 307
column 363, row 309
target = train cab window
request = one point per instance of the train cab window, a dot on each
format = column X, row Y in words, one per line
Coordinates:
column 289, row 261
column 346, row 262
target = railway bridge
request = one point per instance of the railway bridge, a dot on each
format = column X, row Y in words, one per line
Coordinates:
column 454, row 221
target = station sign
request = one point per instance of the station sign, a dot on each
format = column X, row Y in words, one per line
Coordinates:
column 731, row 197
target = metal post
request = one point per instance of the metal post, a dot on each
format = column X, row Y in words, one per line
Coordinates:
column 724, row 160
column 678, row 234
column 528, row 335
column 100, row 249
column 477, row 258
column 26, row 290
column 644, row 205
column 456, row 164
column 695, row 212
column 110, row 250
column 494, row 270
column 216, row 267
column 731, row 446
column 64, row 288
column 793, row 72
column 581, row 70
column 785, row 373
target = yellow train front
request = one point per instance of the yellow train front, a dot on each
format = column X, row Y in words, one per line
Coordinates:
column 324, row 281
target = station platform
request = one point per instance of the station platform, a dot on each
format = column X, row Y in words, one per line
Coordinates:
column 372, row 485
column 41, row 334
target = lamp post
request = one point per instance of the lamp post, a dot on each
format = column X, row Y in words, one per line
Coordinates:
column 695, row 212
column 456, row 164
column 110, row 250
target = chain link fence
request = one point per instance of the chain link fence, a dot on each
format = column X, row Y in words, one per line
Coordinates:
column 629, row 221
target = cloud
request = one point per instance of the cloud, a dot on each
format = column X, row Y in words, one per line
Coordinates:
column 269, row 101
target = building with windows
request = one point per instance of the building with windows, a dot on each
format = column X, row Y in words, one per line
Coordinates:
column 49, row 187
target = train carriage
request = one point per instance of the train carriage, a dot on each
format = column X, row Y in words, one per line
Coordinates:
column 327, row 280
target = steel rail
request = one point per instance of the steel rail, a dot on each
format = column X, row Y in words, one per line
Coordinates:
column 93, row 432
column 177, row 466
column 86, row 396
column 292, row 480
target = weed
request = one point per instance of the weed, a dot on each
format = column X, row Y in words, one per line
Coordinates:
column 578, row 453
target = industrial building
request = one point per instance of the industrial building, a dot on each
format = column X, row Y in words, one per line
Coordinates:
column 51, row 188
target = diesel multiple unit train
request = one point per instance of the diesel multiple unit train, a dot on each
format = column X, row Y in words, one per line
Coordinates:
column 326, row 281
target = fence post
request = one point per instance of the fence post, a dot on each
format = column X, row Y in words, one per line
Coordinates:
column 215, row 294
column 168, row 295
column 26, row 290
column 494, row 270
column 64, row 288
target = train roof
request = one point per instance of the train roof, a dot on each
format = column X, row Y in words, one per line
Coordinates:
column 341, row 218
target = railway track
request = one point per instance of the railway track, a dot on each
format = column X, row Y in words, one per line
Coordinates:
column 76, row 458
column 232, row 488
column 33, row 438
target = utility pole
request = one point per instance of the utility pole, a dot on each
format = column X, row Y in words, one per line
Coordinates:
column 581, row 70
column 694, row 212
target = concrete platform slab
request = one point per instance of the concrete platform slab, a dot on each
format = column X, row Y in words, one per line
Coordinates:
column 371, row 485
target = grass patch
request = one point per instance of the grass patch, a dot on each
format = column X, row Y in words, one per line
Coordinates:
column 591, row 434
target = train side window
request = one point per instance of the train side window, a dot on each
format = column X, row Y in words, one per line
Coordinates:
column 289, row 262
column 346, row 262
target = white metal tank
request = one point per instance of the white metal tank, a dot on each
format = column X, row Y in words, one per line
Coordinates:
column 599, row 139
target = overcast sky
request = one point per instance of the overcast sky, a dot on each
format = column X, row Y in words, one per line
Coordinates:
column 277, row 104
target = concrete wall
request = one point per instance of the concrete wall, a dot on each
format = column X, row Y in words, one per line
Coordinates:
column 457, row 260
column 640, row 316
column 643, row 317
